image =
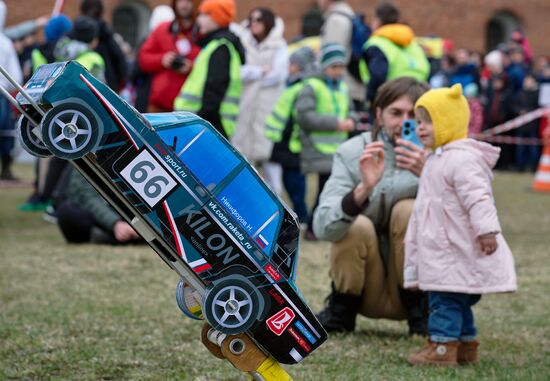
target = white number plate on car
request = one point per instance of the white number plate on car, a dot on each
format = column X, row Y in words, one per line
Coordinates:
column 148, row 178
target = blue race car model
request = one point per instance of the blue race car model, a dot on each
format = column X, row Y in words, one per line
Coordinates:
column 195, row 200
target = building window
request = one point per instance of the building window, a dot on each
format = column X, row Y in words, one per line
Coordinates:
column 130, row 21
column 500, row 28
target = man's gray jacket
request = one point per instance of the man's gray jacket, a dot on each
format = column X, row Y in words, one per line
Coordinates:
column 330, row 221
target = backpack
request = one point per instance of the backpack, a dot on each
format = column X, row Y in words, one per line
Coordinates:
column 360, row 33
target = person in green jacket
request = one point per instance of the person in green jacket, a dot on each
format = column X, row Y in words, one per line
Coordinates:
column 364, row 211
column 213, row 88
column 323, row 109
column 83, row 216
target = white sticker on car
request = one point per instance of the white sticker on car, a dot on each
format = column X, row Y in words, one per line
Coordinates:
column 148, row 178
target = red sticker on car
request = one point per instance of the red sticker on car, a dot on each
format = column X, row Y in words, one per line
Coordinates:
column 299, row 339
column 272, row 272
column 280, row 321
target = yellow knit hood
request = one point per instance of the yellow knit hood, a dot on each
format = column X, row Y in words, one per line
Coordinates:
column 449, row 112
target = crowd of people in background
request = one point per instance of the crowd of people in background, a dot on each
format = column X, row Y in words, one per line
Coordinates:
column 499, row 85
column 308, row 106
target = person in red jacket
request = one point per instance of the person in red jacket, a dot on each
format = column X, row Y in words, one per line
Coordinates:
column 168, row 54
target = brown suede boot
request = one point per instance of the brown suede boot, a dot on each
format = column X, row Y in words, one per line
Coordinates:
column 467, row 352
column 436, row 354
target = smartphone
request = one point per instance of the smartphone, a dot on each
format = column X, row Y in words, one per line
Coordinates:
column 408, row 132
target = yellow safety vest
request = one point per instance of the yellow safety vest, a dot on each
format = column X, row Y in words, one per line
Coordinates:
column 409, row 61
column 276, row 122
column 329, row 102
column 190, row 96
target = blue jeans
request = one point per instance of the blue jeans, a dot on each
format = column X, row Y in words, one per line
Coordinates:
column 527, row 156
column 295, row 185
column 7, row 126
column 451, row 317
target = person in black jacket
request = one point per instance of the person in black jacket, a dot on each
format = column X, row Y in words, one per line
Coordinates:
column 527, row 156
column 498, row 110
column 116, row 68
column 211, row 84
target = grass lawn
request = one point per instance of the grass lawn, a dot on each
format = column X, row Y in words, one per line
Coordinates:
column 108, row 313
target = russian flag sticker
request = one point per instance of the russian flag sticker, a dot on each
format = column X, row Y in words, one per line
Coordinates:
column 262, row 241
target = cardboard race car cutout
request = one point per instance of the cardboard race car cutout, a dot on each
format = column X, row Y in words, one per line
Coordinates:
column 195, row 200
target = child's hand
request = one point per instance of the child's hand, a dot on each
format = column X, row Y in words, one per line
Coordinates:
column 488, row 243
column 346, row 125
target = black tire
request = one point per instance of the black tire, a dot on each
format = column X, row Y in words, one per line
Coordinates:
column 231, row 305
column 70, row 130
column 29, row 141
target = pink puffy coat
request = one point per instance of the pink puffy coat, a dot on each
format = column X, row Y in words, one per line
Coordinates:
column 454, row 206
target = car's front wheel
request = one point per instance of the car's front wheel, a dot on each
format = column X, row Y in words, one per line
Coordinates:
column 70, row 130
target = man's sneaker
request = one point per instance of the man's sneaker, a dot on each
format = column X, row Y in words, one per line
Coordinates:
column 34, row 204
column 50, row 215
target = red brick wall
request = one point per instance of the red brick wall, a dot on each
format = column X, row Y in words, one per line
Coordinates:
column 464, row 21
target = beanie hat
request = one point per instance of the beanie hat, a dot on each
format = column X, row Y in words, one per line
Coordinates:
column 332, row 53
column 85, row 29
column 57, row 27
column 302, row 57
column 494, row 58
column 471, row 90
column 221, row 11
column 160, row 14
column 449, row 112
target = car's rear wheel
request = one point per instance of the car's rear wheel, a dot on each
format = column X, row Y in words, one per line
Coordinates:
column 29, row 141
column 231, row 305
column 70, row 130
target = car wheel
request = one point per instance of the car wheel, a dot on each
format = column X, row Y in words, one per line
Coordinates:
column 70, row 130
column 231, row 305
column 29, row 141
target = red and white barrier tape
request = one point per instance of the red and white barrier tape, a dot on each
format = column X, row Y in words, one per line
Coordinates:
column 490, row 134
column 510, row 140
column 517, row 122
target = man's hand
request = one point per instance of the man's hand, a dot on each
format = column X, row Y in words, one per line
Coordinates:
column 488, row 243
column 371, row 167
column 412, row 157
column 186, row 67
column 123, row 232
column 167, row 59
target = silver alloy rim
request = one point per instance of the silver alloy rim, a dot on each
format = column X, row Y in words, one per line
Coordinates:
column 232, row 306
column 70, row 131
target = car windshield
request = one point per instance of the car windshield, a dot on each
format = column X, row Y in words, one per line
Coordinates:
column 225, row 174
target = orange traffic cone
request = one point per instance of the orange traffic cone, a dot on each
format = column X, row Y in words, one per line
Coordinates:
column 542, row 177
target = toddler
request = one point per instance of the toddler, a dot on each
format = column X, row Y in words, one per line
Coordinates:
column 454, row 248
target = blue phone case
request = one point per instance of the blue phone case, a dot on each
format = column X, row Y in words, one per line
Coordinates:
column 408, row 132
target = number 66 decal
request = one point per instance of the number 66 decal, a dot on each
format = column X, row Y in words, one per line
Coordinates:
column 148, row 178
